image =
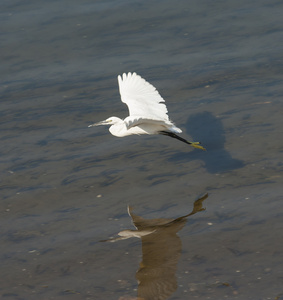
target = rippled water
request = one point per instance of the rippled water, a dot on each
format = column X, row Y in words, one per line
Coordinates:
column 65, row 187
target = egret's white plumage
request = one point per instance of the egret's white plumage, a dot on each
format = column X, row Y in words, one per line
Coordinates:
column 147, row 111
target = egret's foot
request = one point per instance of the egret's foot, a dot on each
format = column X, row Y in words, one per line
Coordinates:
column 197, row 145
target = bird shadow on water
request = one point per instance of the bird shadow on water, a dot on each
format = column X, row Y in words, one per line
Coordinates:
column 161, row 250
column 209, row 130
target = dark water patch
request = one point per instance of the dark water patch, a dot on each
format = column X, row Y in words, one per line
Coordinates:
column 238, row 252
column 88, row 165
column 68, row 210
column 72, row 179
column 22, row 236
column 29, row 164
column 14, row 295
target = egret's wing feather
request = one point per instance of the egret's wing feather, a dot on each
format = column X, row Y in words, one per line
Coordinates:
column 132, row 121
column 141, row 97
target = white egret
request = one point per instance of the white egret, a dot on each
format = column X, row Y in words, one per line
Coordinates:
column 148, row 113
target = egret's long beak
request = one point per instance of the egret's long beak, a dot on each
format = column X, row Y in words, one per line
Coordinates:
column 99, row 123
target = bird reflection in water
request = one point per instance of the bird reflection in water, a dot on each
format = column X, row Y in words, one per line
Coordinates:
column 161, row 249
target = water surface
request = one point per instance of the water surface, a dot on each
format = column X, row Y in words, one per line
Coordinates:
column 65, row 187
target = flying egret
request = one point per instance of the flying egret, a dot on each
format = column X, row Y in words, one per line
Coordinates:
column 148, row 112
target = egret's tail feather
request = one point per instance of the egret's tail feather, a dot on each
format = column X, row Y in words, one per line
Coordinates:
column 175, row 129
column 175, row 136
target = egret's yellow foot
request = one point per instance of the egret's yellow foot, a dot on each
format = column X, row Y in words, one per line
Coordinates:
column 197, row 145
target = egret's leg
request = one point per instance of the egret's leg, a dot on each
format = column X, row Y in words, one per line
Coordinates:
column 175, row 136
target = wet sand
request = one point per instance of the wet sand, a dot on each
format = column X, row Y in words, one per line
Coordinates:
column 65, row 187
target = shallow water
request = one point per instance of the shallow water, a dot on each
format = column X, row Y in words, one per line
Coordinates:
column 65, row 187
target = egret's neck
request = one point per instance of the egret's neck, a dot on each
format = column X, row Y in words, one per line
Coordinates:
column 119, row 128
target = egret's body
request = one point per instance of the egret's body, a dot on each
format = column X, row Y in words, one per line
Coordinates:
column 148, row 113
column 126, row 127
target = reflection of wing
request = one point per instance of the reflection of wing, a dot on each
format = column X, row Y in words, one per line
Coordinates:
column 160, row 251
column 197, row 208
column 141, row 97
column 198, row 204
column 141, row 223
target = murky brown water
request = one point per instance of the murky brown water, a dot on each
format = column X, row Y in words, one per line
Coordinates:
column 65, row 187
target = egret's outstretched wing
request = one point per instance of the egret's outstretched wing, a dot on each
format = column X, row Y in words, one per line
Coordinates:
column 141, row 97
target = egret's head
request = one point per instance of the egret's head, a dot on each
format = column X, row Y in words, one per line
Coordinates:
column 109, row 121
